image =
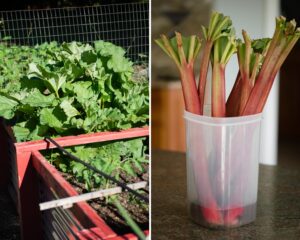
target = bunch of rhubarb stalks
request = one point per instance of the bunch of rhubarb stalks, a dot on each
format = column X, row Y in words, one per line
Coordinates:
column 259, row 60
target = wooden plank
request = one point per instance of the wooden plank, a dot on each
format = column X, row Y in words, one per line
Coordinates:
column 83, row 139
column 92, row 235
column 130, row 236
column 69, row 201
column 30, row 214
column 23, row 159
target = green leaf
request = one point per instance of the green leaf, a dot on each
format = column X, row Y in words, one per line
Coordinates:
column 77, row 168
column 128, row 169
column 7, row 107
column 120, row 64
column 88, row 57
column 107, row 49
column 21, row 133
column 48, row 118
column 63, row 167
column 39, row 132
column 83, row 90
column 37, row 99
column 69, row 110
column 138, row 165
column 34, row 71
column 32, row 83
column 259, row 45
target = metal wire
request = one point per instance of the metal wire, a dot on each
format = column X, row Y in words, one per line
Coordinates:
column 125, row 25
column 103, row 174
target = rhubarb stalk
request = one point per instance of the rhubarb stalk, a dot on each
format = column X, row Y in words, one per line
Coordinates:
column 224, row 48
column 184, row 52
column 250, row 56
column 218, row 26
column 285, row 37
column 233, row 102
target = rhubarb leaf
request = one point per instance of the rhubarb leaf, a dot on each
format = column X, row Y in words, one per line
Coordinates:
column 7, row 107
column 219, row 25
column 37, row 99
column 69, row 110
column 21, row 133
column 48, row 118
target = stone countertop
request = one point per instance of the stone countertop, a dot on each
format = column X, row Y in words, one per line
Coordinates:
column 278, row 206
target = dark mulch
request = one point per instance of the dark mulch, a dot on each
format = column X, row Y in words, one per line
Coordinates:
column 9, row 220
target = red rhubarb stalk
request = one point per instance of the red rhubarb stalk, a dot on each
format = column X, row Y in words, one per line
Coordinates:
column 218, row 26
column 285, row 37
column 203, row 73
column 244, row 54
column 218, row 90
column 233, row 101
column 224, row 48
column 184, row 52
column 250, row 55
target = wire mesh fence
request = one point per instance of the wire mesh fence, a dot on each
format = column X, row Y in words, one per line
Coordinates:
column 126, row 25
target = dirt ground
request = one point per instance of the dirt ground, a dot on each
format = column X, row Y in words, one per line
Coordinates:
column 9, row 220
column 137, row 209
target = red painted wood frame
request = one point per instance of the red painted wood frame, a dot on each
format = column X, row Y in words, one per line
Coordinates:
column 31, row 166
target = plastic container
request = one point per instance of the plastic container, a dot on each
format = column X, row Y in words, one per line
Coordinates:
column 222, row 169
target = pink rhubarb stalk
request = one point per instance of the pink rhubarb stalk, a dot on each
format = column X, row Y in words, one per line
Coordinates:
column 218, row 26
column 285, row 37
column 184, row 52
column 250, row 55
column 233, row 101
column 224, row 48
column 218, row 90
column 243, row 53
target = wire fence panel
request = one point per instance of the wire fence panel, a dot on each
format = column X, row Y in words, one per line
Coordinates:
column 126, row 25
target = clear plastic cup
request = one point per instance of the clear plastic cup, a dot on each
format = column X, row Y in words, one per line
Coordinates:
column 222, row 169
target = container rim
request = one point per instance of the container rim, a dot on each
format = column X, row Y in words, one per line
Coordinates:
column 223, row 121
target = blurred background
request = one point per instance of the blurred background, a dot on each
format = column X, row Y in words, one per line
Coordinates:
column 282, row 113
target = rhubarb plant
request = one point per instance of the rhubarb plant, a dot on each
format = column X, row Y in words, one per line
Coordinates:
column 70, row 89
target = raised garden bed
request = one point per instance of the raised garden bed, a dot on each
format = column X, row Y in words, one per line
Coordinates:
column 39, row 181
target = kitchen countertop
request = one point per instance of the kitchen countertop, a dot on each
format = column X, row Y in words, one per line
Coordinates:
column 278, row 206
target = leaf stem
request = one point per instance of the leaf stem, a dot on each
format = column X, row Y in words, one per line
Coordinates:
column 218, row 90
column 129, row 220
